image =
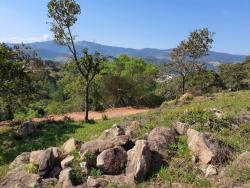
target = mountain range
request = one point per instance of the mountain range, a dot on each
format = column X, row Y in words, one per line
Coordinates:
column 49, row 50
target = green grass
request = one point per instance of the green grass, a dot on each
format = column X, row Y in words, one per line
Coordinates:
column 180, row 167
column 48, row 134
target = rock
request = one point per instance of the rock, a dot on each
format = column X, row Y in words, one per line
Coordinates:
column 116, row 130
column 55, row 152
column 206, row 150
column 64, row 179
column 243, row 160
column 67, row 161
column 211, row 170
column 54, row 173
column 185, row 98
column 84, row 167
column 199, row 146
column 27, row 128
column 35, row 156
column 19, row 178
column 20, row 160
column 181, row 128
column 241, row 118
column 139, row 159
column 70, row 145
column 104, row 181
column 46, row 183
column 112, row 161
column 98, row 182
column 217, row 113
column 46, row 162
column 159, row 140
column 97, row 146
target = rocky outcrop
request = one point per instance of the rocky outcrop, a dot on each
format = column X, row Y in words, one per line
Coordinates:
column 139, row 160
column 159, row 140
column 97, row 146
column 199, row 146
column 206, row 150
column 19, row 178
column 112, row 161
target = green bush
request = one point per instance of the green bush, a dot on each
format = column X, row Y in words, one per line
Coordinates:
column 96, row 172
column 31, row 168
column 76, row 177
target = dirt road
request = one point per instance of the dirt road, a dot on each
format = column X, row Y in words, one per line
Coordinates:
column 79, row 116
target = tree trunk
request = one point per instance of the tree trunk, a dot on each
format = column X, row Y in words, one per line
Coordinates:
column 183, row 84
column 87, row 103
column 10, row 114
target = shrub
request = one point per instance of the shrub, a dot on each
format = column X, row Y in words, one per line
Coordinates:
column 76, row 177
column 96, row 172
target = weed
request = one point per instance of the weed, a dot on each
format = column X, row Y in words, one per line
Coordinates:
column 96, row 172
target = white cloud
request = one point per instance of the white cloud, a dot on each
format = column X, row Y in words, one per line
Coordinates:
column 15, row 39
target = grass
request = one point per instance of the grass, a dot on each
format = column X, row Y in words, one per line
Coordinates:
column 180, row 166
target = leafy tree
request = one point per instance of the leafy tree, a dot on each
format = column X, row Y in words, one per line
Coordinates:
column 187, row 54
column 64, row 15
column 128, row 81
column 234, row 76
column 204, row 81
column 15, row 87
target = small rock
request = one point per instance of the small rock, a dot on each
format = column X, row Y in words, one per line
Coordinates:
column 217, row 113
column 116, row 130
column 64, row 179
column 210, row 171
column 27, row 128
column 181, row 128
column 97, row 182
column 84, row 167
column 70, row 145
column 139, row 159
column 112, row 161
column 67, row 161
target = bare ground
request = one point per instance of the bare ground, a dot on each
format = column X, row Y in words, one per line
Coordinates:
column 79, row 116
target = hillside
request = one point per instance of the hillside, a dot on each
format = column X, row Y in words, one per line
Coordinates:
column 52, row 51
column 214, row 115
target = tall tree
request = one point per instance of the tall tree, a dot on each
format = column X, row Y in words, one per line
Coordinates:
column 15, row 83
column 187, row 54
column 64, row 15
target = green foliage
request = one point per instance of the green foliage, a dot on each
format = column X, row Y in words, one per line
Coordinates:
column 31, row 168
column 96, row 172
column 76, row 177
column 90, row 156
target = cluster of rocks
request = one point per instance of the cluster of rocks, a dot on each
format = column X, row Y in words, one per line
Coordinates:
column 122, row 159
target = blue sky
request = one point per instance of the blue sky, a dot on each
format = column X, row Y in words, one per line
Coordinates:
column 135, row 23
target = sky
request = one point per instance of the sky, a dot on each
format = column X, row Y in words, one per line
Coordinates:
column 137, row 24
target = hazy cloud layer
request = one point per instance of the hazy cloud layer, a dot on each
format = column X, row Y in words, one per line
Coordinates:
column 15, row 39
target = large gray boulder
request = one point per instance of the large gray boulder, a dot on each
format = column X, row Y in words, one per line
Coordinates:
column 19, row 178
column 112, row 161
column 45, row 160
column 97, row 146
column 64, row 179
column 139, row 160
column 206, row 150
column 159, row 140
column 20, row 160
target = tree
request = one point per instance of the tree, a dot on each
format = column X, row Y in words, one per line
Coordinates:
column 187, row 54
column 64, row 15
column 15, row 87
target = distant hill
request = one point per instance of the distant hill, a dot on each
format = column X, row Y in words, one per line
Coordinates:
column 51, row 50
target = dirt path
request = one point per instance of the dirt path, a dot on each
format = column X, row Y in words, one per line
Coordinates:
column 79, row 116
